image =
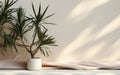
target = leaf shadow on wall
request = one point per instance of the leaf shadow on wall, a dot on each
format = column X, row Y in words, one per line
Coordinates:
column 88, row 48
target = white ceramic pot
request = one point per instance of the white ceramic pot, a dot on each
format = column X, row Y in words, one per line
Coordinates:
column 34, row 64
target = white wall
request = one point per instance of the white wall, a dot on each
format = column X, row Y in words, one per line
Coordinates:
column 85, row 30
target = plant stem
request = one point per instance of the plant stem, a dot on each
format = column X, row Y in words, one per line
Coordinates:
column 32, row 54
column 25, row 46
column 36, row 50
column 18, row 44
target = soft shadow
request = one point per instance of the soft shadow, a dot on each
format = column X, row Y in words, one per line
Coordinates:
column 98, row 18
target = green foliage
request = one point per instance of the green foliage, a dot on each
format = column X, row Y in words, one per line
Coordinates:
column 40, row 32
column 21, row 24
column 6, row 11
column 6, row 17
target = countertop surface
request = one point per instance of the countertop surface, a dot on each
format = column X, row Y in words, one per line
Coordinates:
column 60, row 72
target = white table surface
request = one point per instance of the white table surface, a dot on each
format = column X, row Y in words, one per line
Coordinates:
column 60, row 72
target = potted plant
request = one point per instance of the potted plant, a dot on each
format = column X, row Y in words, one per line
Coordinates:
column 22, row 24
column 40, row 40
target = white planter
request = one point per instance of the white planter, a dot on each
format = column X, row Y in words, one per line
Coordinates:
column 34, row 64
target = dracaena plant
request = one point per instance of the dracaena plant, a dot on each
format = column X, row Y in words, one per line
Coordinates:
column 22, row 24
column 40, row 39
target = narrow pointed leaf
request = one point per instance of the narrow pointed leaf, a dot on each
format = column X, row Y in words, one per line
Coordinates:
column 44, row 12
column 34, row 10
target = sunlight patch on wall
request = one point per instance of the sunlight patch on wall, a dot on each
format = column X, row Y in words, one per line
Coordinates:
column 94, row 50
column 77, row 43
column 109, row 28
column 115, row 56
column 84, row 8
